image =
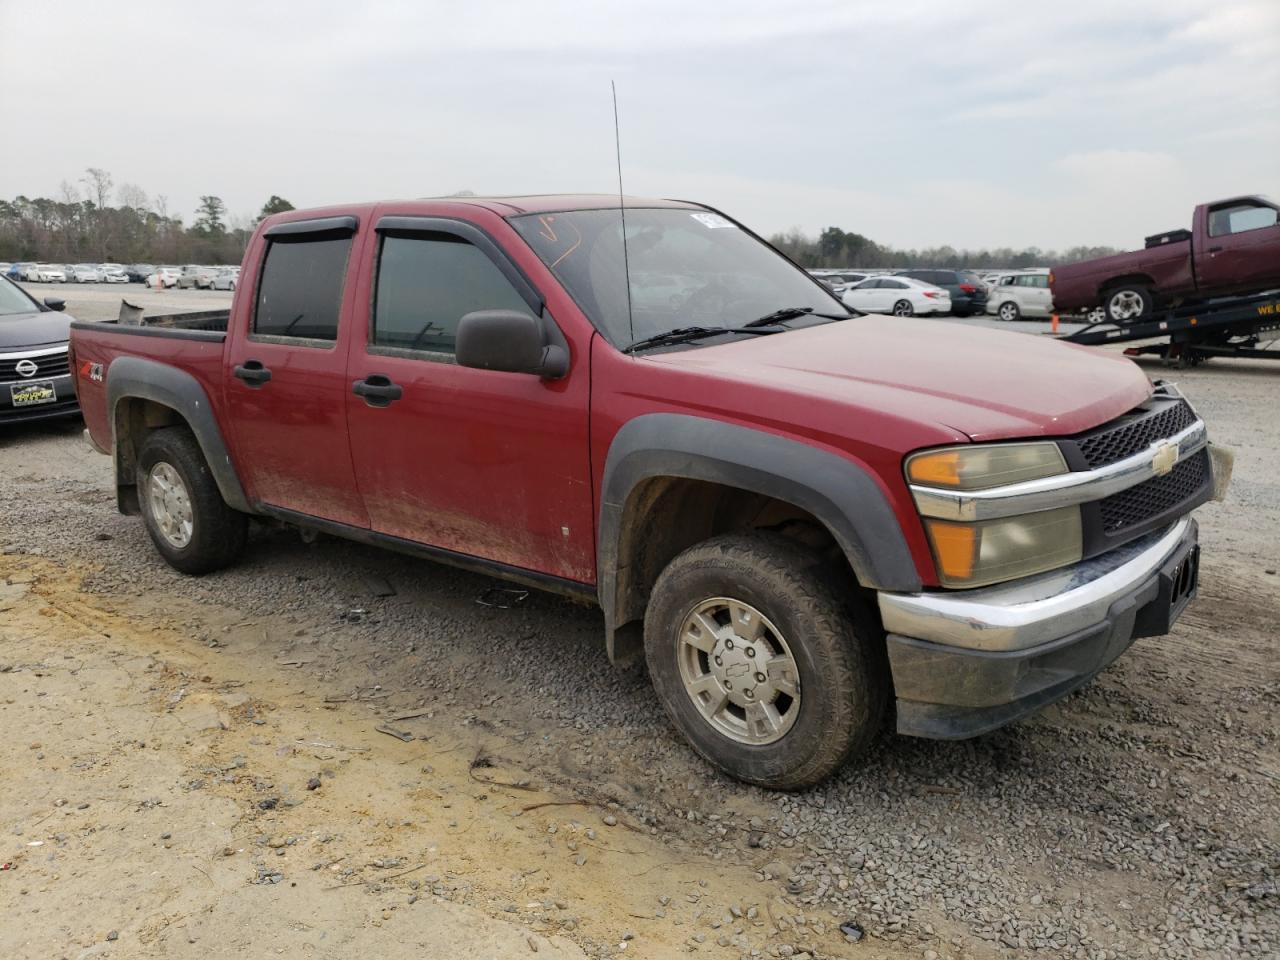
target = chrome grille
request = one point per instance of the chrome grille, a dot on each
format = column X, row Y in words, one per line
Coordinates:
column 1137, row 505
column 1134, row 432
column 47, row 366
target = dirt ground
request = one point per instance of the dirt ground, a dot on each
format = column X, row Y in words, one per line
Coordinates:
column 330, row 749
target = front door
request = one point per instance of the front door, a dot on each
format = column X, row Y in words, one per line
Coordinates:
column 287, row 386
column 483, row 463
column 1242, row 249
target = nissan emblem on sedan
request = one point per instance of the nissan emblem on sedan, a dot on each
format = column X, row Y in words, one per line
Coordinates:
column 26, row 368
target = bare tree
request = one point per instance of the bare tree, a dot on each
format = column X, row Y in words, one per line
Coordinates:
column 133, row 196
column 98, row 182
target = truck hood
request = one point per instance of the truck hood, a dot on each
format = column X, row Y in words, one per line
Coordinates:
column 986, row 384
column 34, row 329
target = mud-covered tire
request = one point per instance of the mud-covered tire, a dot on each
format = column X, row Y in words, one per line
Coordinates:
column 217, row 533
column 834, row 641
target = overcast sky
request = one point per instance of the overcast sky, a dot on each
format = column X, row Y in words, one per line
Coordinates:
column 914, row 122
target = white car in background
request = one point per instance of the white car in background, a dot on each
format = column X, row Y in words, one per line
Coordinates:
column 50, row 273
column 84, row 273
column 1020, row 293
column 226, row 280
column 164, row 278
column 900, row 296
column 114, row 273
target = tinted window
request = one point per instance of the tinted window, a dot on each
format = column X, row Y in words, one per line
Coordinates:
column 893, row 285
column 300, row 293
column 427, row 282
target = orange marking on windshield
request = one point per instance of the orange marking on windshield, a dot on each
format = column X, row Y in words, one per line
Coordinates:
column 576, row 244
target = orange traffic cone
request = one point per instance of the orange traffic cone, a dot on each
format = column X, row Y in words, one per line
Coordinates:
column 1054, row 325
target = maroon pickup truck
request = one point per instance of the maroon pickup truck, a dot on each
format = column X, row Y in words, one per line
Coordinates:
column 795, row 514
column 1233, row 247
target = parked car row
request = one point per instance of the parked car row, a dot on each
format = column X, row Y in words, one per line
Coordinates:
column 164, row 277
column 965, row 293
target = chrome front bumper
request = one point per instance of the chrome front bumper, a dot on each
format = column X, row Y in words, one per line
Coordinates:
column 967, row 662
column 1030, row 612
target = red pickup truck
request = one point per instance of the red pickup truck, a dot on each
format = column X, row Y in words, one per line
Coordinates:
column 794, row 513
column 1233, row 247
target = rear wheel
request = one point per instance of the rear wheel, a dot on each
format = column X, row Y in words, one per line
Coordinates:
column 1009, row 311
column 760, row 663
column 903, row 308
column 1129, row 303
column 189, row 522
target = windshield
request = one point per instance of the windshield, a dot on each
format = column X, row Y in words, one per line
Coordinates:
column 13, row 300
column 687, row 268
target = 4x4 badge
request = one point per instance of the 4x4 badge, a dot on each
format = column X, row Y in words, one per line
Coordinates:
column 1164, row 459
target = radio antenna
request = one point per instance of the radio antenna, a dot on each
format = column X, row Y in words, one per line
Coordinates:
column 622, row 211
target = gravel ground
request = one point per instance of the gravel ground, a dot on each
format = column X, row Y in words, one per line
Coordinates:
column 1139, row 817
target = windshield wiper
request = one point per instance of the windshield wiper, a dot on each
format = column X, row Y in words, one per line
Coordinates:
column 790, row 313
column 686, row 334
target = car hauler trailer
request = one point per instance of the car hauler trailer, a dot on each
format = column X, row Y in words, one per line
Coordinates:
column 1232, row 327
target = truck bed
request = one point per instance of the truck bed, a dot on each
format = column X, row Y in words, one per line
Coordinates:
column 193, row 343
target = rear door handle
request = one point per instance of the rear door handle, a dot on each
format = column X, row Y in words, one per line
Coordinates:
column 1215, row 249
column 377, row 390
column 253, row 373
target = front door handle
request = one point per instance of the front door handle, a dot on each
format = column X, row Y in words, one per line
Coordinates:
column 1215, row 249
column 377, row 390
column 253, row 373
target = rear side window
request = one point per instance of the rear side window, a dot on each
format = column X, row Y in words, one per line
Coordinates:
column 426, row 283
column 300, row 292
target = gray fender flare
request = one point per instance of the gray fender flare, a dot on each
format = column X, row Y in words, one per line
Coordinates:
column 843, row 496
column 129, row 377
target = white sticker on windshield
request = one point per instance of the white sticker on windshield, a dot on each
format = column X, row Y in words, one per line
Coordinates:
column 712, row 221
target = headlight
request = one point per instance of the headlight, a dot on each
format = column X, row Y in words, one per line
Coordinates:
column 982, row 552
column 978, row 468
column 989, row 551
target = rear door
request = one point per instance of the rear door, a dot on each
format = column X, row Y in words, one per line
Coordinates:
column 286, row 390
column 477, row 462
column 1039, row 297
column 1243, row 247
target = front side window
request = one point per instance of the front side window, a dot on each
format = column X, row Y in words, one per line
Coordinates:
column 427, row 282
column 300, row 291
column 1241, row 218
column 686, row 268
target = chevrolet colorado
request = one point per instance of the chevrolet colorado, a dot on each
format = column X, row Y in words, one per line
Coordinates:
column 800, row 517
column 1233, row 247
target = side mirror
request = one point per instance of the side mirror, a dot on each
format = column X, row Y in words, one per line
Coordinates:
column 513, row 342
column 55, row 303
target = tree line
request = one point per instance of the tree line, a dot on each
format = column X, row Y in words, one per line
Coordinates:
column 82, row 224
column 97, row 222
column 837, row 248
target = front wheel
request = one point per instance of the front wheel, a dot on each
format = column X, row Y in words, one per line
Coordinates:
column 903, row 308
column 761, row 664
column 189, row 522
column 1130, row 303
column 1009, row 311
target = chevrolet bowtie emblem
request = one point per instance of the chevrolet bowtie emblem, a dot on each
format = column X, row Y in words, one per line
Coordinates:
column 1164, row 459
